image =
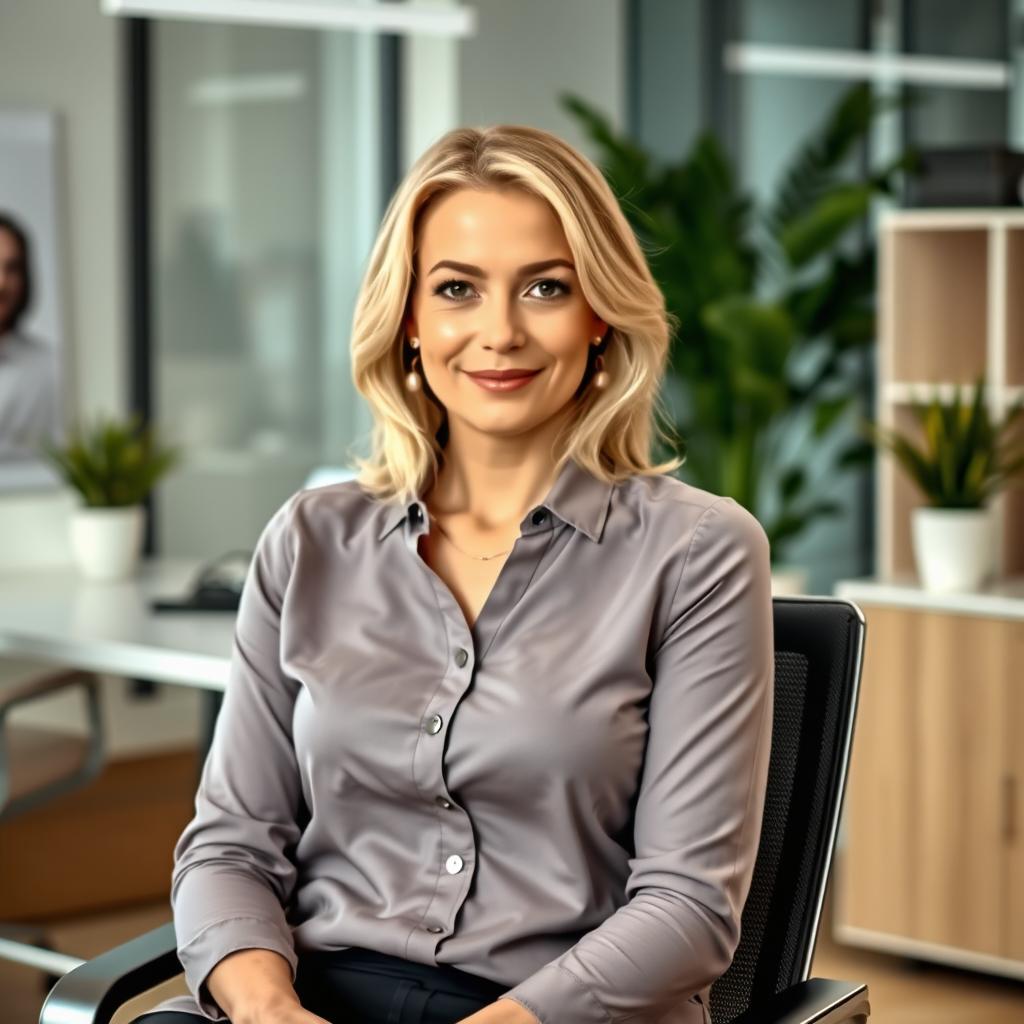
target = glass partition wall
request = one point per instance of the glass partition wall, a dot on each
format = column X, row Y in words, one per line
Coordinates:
column 264, row 197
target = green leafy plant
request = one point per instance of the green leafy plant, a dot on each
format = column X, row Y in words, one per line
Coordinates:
column 112, row 463
column 767, row 305
column 965, row 458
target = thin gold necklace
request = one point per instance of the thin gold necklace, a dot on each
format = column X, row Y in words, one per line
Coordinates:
column 479, row 558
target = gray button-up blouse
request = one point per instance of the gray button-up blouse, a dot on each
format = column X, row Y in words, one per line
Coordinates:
column 565, row 797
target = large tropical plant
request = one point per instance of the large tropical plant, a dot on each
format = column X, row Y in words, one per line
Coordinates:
column 768, row 304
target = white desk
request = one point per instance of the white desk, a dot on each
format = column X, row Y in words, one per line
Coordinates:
column 1003, row 598
column 55, row 616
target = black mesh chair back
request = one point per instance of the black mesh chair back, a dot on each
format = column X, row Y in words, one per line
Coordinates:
column 819, row 644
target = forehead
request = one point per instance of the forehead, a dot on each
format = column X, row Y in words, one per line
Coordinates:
column 492, row 226
column 9, row 247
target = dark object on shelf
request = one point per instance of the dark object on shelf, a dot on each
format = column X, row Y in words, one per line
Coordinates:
column 217, row 586
column 968, row 176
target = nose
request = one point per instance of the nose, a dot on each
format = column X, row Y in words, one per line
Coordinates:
column 502, row 330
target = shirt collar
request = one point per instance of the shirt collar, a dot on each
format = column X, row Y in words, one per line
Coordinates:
column 576, row 497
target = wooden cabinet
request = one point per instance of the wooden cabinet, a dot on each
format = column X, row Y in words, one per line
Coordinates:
column 1013, row 798
column 931, row 856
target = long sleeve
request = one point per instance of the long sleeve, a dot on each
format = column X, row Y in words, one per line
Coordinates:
column 232, row 875
column 701, row 795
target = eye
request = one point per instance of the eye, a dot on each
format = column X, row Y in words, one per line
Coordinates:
column 561, row 286
column 452, row 282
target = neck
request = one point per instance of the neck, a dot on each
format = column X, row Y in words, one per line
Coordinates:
column 492, row 480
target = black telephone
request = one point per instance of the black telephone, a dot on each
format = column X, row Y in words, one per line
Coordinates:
column 217, row 586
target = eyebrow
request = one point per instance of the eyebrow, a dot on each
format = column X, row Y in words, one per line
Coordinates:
column 529, row 268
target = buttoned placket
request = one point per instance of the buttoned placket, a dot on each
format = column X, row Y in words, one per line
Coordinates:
column 456, row 848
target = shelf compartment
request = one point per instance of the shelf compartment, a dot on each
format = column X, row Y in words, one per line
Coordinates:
column 937, row 281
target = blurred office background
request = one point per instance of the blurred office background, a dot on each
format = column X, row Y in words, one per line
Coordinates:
column 219, row 188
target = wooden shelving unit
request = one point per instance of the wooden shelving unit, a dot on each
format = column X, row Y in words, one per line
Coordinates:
column 951, row 307
column 931, row 855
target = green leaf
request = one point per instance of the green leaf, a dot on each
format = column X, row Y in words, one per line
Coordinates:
column 792, row 483
column 823, row 225
column 760, row 335
column 827, row 411
column 858, row 453
column 813, row 169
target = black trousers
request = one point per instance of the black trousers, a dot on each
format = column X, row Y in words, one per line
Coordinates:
column 362, row 986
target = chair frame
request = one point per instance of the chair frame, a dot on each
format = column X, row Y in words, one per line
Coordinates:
column 35, row 687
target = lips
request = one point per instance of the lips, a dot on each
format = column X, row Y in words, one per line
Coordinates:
column 502, row 374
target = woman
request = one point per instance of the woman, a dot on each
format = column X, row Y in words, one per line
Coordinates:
column 29, row 372
column 495, row 743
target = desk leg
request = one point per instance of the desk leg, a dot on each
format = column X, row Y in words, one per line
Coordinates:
column 211, row 702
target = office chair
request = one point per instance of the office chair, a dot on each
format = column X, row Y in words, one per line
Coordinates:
column 36, row 766
column 819, row 645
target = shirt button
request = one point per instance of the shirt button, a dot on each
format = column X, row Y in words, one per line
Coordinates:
column 434, row 928
column 461, row 656
column 539, row 516
column 453, row 865
column 442, row 802
column 432, row 724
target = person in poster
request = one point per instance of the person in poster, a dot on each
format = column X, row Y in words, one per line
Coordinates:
column 29, row 382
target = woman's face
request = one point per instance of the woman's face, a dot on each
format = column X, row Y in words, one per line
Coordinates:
column 496, row 289
column 12, row 276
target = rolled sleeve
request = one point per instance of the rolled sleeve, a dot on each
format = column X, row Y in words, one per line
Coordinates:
column 701, row 796
column 233, row 873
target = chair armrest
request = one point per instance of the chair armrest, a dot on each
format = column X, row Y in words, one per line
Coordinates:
column 814, row 1001
column 38, row 685
column 91, row 993
column 15, row 800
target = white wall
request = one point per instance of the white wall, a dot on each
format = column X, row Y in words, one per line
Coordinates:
column 526, row 53
column 513, row 69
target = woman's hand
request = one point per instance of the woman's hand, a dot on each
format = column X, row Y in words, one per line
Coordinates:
column 280, row 1013
column 501, row 1011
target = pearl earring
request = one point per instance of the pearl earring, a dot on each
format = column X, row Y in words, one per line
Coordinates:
column 413, row 381
column 601, row 378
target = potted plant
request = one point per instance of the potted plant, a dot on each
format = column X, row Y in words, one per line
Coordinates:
column 112, row 465
column 964, row 461
column 773, row 307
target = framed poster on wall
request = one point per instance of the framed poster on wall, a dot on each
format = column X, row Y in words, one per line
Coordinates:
column 32, row 317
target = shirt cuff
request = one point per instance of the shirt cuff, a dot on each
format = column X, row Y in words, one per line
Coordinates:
column 202, row 953
column 554, row 995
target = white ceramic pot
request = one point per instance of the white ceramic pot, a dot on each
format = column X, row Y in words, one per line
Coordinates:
column 953, row 547
column 106, row 541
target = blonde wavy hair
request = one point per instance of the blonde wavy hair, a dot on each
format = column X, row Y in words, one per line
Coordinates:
column 611, row 434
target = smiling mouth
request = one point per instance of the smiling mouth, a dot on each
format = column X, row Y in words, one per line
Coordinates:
column 515, row 380
column 501, row 374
